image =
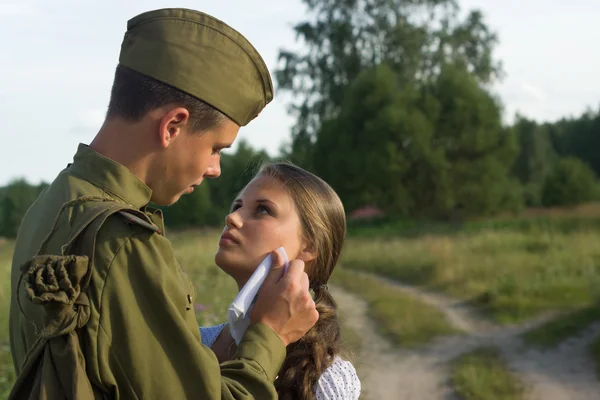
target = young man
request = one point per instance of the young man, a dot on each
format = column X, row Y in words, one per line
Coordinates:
column 120, row 323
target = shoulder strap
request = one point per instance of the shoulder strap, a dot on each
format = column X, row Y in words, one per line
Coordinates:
column 82, row 238
column 94, row 207
column 96, row 213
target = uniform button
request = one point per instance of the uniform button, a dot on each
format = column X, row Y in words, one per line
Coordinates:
column 189, row 299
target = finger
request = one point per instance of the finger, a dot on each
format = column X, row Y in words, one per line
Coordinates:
column 277, row 259
column 277, row 270
column 304, row 281
column 295, row 270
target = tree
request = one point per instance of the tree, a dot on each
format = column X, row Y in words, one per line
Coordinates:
column 369, row 150
column 536, row 157
column 419, row 151
column 15, row 200
column 236, row 171
column 193, row 209
column 343, row 37
column 571, row 182
column 477, row 150
column 578, row 137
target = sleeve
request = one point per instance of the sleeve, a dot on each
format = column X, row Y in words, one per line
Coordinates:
column 338, row 382
column 148, row 338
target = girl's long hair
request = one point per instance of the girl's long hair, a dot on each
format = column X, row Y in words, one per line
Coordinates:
column 323, row 223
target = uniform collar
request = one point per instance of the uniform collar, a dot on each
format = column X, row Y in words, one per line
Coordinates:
column 114, row 178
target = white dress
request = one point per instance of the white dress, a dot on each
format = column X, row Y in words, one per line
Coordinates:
column 338, row 382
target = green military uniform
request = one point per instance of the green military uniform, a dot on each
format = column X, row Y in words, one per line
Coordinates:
column 100, row 307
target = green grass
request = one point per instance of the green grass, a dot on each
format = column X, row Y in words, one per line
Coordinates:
column 215, row 290
column 484, row 375
column 552, row 333
column 529, row 221
column 405, row 320
column 7, row 372
column 512, row 276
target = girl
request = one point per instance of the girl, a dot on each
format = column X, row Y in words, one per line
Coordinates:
column 287, row 206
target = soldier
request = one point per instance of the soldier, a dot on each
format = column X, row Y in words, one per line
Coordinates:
column 100, row 307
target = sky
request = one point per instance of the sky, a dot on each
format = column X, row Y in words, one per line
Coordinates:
column 58, row 58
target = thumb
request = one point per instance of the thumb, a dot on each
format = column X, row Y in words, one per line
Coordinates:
column 277, row 268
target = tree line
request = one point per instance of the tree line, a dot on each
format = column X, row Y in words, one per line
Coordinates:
column 394, row 108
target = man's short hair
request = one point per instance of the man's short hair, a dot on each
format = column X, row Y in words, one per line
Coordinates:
column 133, row 95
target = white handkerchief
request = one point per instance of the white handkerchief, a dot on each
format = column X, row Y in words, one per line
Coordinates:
column 238, row 313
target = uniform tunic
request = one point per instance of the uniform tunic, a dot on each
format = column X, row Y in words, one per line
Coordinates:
column 142, row 339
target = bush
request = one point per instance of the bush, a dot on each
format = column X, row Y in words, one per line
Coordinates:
column 15, row 200
column 571, row 182
column 193, row 210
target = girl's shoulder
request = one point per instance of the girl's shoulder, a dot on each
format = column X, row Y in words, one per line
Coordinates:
column 339, row 381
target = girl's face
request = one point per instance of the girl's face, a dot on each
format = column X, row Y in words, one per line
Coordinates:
column 263, row 218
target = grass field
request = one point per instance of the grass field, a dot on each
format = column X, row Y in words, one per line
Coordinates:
column 552, row 333
column 6, row 367
column 511, row 270
column 405, row 320
column 510, row 275
column 484, row 375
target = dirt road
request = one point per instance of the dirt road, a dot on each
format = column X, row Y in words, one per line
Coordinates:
column 565, row 372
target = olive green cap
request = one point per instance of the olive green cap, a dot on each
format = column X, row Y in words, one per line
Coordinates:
column 202, row 56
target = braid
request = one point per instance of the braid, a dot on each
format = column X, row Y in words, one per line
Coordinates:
column 309, row 357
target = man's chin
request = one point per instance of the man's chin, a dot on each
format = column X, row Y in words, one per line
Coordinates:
column 169, row 201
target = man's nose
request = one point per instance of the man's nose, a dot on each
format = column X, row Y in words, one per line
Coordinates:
column 214, row 169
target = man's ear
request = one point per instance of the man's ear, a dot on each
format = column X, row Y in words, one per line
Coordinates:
column 172, row 124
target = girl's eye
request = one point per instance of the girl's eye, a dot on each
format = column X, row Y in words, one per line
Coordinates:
column 262, row 210
column 235, row 207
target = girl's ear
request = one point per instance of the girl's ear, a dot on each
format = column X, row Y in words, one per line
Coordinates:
column 307, row 253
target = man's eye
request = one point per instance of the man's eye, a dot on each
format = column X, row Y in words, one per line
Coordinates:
column 216, row 151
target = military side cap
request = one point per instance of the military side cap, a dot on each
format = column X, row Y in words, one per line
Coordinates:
column 202, row 56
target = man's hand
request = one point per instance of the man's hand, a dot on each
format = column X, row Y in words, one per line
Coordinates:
column 284, row 303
